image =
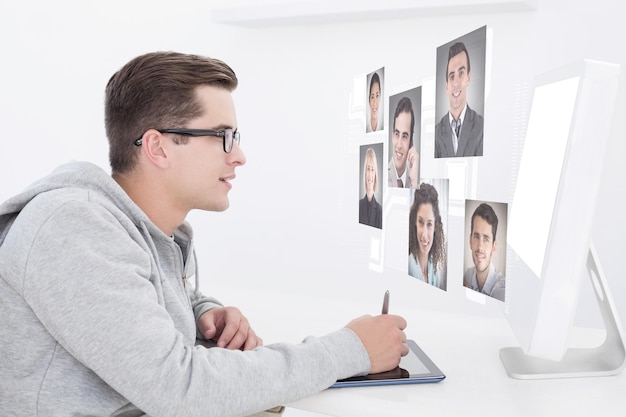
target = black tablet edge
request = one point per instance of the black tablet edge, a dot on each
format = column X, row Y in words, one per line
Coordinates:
column 434, row 375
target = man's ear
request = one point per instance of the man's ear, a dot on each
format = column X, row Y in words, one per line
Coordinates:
column 153, row 148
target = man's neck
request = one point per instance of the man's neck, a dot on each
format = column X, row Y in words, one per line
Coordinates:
column 400, row 172
column 149, row 199
column 481, row 277
column 456, row 113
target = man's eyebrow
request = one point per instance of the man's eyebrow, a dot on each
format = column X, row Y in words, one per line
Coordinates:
column 222, row 126
column 459, row 69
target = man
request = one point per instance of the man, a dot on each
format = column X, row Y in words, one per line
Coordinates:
column 99, row 315
column 460, row 130
column 483, row 276
column 404, row 164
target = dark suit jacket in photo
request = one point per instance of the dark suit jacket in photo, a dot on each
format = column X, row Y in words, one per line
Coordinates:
column 470, row 142
column 372, row 217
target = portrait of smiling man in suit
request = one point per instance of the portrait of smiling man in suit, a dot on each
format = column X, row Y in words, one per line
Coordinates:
column 459, row 132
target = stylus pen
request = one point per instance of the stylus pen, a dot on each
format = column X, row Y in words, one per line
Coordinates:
column 386, row 302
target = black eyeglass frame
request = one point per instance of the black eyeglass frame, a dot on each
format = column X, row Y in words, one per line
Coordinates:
column 225, row 134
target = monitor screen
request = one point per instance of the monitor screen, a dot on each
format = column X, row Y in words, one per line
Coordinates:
column 554, row 201
column 540, row 168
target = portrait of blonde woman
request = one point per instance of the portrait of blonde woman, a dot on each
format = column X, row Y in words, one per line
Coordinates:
column 370, row 210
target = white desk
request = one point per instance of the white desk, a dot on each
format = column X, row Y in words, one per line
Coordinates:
column 465, row 348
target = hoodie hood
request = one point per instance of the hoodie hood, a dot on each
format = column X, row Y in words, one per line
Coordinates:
column 82, row 175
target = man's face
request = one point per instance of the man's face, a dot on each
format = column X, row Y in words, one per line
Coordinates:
column 482, row 244
column 400, row 140
column 457, row 82
column 202, row 171
column 374, row 100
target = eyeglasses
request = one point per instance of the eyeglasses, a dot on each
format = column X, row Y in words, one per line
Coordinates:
column 229, row 136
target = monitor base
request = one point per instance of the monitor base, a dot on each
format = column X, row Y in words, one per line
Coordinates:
column 604, row 360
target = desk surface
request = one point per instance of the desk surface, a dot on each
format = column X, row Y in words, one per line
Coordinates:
column 465, row 348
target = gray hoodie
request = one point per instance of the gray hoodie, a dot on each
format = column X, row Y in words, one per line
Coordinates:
column 98, row 318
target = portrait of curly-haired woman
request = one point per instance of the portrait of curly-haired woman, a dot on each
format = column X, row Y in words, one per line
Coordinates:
column 427, row 244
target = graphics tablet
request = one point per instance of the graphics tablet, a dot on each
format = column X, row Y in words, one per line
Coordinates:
column 414, row 368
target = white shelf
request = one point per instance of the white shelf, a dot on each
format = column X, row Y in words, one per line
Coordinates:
column 324, row 11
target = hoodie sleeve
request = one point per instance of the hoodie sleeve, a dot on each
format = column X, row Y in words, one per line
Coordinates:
column 86, row 277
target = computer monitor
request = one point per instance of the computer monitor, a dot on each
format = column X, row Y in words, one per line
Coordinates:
column 549, row 235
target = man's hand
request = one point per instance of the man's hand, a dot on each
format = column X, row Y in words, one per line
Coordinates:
column 229, row 328
column 413, row 161
column 384, row 339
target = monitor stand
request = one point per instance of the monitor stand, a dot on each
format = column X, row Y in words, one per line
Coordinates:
column 604, row 360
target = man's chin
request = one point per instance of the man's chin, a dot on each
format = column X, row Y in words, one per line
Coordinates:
column 217, row 207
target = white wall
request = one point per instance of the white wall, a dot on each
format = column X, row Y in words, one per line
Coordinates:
column 292, row 226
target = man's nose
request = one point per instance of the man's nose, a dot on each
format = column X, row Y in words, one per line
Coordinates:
column 237, row 155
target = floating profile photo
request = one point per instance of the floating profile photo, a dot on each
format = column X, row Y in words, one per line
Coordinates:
column 375, row 115
column 485, row 247
column 460, row 96
column 405, row 127
column 428, row 220
column 370, row 188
